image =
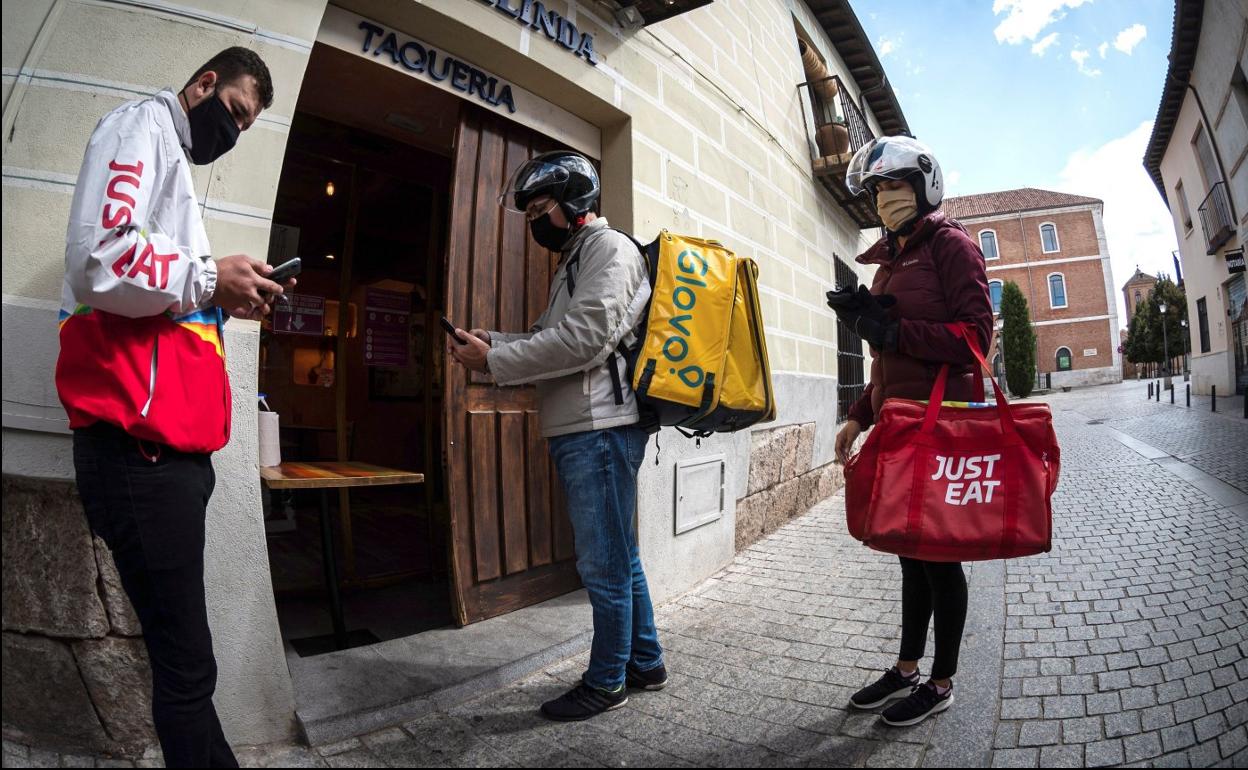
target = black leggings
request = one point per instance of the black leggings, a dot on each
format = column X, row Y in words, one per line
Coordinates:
column 928, row 586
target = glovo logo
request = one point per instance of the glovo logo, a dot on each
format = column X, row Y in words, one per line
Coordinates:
column 685, row 297
column 970, row 478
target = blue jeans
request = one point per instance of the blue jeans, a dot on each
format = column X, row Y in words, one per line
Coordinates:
column 599, row 473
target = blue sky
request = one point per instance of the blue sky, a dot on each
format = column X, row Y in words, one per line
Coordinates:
column 1056, row 94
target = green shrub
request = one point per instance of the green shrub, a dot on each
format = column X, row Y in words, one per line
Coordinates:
column 1018, row 341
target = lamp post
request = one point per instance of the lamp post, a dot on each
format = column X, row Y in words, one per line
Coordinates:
column 1186, row 344
column 1165, row 343
column 1000, row 328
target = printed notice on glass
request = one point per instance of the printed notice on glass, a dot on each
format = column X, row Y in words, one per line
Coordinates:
column 299, row 314
column 386, row 315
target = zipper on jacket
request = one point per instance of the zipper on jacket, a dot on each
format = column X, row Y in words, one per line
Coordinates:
column 151, row 381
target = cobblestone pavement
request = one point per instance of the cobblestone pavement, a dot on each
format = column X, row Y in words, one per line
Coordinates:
column 1124, row 645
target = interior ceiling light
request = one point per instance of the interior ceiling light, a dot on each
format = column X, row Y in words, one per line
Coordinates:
column 330, row 257
column 406, row 123
column 329, row 188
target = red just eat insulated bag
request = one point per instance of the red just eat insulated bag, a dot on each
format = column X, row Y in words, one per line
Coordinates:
column 947, row 483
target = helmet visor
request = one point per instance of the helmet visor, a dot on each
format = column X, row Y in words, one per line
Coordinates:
column 533, row 178
column 874, row 160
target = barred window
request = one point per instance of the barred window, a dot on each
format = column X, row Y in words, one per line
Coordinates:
column 849, row 356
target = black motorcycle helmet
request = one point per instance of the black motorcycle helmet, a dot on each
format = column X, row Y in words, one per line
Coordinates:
column 566, row 176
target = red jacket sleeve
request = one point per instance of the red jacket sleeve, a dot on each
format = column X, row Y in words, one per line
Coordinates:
column 964, row 281
column 861, row 412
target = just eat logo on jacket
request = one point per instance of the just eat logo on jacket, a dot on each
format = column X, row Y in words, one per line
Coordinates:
column 970, row 478
column 154, row 266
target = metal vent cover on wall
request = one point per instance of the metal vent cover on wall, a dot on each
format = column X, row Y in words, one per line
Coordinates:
column 700, row 491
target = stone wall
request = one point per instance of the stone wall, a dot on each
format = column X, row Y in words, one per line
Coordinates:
column 76, row 674
column 782, row 483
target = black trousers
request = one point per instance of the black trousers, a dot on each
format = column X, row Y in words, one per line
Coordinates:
column 933, row 588
column 148, row 503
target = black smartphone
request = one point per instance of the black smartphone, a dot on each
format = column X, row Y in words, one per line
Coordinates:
column 450, row 329
column 285, row 271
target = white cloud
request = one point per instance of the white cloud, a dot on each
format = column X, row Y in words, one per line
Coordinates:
column 1102, row 49
column 885, row 46
column 1026, row 19
column 951, row 180
column 1138, row 227
column 1042, row 45
column 1080, row 57
column 1130, row 37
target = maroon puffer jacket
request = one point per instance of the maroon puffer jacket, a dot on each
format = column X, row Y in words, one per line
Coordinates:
column 937, row 278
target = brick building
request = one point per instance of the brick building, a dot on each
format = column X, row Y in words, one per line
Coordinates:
column 1053, row 246
column 1135, row 291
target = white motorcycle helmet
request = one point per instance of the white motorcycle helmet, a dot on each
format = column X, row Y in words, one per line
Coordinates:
column 897, row 157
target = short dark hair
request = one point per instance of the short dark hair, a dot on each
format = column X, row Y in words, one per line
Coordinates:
column 237, row 62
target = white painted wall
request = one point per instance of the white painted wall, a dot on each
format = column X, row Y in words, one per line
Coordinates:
column 1223, row 43
column 66, row 64
column 676, row 563
column 712, row 148
column 1204, row 275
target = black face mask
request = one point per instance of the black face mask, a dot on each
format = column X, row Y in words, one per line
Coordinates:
column 213, row 130
column 547, row 234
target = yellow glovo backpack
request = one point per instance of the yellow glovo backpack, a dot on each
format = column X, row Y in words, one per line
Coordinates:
column 700, row 360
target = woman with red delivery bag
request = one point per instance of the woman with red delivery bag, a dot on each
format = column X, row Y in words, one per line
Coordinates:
column 944, row 477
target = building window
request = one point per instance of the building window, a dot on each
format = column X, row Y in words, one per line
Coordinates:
column 849, row 356
column 994, row 291
column 1184, row 211
column 1048, row 238
column 1239, row 87
column 1202, row 314
column 1057, row 291
column 1204, row 152
column 1064, row 359
column 988, row 244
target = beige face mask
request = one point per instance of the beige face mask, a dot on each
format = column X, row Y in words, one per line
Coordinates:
column 896, row 207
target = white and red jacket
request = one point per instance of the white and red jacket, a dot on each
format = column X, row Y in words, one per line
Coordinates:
column 141, row 342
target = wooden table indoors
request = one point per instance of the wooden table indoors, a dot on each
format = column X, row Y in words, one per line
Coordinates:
column 326, row 476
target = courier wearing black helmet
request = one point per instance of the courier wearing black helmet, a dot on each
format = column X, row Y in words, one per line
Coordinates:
column 588, row 413
column 557, row 191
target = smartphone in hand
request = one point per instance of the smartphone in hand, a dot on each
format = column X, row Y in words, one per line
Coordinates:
column 285, row 271
column 449, row 328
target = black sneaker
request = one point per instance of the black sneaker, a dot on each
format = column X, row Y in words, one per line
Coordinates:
column 889, row 687
column 583, row 702
column 654, row 679
column 921, row 704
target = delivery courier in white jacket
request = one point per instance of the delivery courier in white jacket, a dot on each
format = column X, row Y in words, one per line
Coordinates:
column 141, row 336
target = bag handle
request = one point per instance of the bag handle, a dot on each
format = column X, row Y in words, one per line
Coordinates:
column 966, row 332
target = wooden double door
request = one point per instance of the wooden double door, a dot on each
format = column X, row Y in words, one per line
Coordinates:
column 511, row 540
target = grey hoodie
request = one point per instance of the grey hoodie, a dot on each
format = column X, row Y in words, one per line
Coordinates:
column 568, row 351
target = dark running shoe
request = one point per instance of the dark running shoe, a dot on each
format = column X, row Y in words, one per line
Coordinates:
column 654, row 679
column 889, row 687
column 583, row 702
column 921, row 704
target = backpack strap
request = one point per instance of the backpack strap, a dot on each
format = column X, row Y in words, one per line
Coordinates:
column 571, row 270
column 616, row 386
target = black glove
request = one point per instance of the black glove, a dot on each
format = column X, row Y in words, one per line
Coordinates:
column 867, row 315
